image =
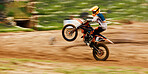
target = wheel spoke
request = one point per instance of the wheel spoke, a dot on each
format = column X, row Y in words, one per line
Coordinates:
column 69, row 33
column 102, row 53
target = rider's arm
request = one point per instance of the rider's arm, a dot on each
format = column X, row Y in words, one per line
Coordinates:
column 95, row 18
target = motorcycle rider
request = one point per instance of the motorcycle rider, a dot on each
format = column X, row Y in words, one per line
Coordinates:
column 99, row 18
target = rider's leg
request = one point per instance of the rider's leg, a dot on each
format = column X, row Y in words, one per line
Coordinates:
column 96, row 33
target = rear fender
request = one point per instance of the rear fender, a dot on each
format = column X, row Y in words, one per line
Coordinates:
column 109, row 41
column 106, row 39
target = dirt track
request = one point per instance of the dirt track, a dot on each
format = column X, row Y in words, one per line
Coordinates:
column 130, row 48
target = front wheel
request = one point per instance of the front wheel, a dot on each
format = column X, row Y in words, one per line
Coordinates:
column 69, row 32
column 101, row 52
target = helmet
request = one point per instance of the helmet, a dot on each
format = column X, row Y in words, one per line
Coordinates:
column 95, row 10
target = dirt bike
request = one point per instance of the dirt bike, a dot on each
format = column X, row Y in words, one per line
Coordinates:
column 100, row 50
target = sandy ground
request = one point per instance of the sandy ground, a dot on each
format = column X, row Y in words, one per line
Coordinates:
column 130, row 48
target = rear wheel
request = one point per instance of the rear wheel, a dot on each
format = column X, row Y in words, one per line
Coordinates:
column 69, row 32
column 102, row 52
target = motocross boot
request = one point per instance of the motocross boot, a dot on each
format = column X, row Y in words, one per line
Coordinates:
column 99, row 39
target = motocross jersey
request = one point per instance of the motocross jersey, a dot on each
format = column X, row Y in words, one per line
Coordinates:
column 101, row 20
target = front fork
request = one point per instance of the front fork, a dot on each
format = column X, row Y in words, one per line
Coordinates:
column 92, row 46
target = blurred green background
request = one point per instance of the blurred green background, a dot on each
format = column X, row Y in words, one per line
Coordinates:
column 17, row 10
column 51, row 13
column 55, row 11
